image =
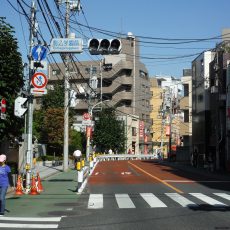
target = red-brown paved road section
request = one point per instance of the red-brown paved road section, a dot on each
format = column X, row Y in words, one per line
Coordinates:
column 133, row 172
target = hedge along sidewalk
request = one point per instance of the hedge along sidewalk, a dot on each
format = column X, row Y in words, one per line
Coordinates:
column 56, row 199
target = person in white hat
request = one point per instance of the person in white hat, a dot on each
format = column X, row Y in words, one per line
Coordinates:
column 6, row 180
column 77, row 155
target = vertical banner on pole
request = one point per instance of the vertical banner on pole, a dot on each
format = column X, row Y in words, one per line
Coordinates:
column 167, row 130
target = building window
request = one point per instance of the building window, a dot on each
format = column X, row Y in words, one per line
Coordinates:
column 56, row 72
column 186, row 116
column 87, row 70
column 94, row 70
column 134, row 131
column 200, row 98
column 147, row 104
column 128, row 72
column 186, row 90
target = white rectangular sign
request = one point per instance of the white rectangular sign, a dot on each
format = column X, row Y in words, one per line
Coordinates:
column 36, row 91
column 88, row 123
column 66, row 45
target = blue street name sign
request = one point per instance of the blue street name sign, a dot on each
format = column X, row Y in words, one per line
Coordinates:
column 66, row 45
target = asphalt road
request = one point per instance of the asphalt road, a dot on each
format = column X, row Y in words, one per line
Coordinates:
column 148, row 195
column 126, row 195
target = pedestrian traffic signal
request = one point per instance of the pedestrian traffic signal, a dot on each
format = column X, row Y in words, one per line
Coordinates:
column 104, row 46
column 19, row 109
column 3, row 109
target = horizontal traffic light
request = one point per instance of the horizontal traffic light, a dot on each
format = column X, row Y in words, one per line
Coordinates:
column 104, row 46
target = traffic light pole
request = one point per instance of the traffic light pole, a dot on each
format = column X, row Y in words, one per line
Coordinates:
column 28, row 165
column 66, row 99
column 90, row 112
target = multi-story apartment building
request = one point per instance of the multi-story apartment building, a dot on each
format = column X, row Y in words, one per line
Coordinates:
column 218, row 137
column 123, row 82
column 201, row 102
column 186, row 109
column 159, row 139
column 165, row 101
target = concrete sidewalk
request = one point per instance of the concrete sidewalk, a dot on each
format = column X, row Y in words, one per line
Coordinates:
column 186, row 166
column 44, row 172
column 57, row 199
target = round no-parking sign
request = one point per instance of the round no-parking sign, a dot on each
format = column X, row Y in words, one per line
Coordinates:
column 39, row 80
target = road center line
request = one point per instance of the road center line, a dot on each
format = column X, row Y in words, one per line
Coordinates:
column 156, row 178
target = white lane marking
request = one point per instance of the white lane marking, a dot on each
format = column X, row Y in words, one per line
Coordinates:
column 46, row 226
column 223, row 195
column 207, row 199
column 95, row 201
column 124, row 201
column 40, row 219
column 152, row 200
column 184, row 202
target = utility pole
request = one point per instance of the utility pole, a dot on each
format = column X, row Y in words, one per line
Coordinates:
column 90, row 113
column 30, row 104
column 71, row 5
column 66, row 99
column 228, row 117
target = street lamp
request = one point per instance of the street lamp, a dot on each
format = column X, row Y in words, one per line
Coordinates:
column 98, row 103
column 89, row 127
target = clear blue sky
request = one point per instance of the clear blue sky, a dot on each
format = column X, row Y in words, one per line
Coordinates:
column 174, row 19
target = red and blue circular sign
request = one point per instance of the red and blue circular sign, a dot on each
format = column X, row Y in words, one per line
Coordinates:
column 39, row 80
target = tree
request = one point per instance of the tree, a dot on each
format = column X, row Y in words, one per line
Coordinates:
column 54, row 98
column 75, row 141
column 53, row 128
column 108, row 131
column 48, row 124
column 11, row 80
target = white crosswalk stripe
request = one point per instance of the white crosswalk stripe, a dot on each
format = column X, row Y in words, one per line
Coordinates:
column 223, row 195
column 184, row 202
column 16, row 222
column 208, row 199
column 96, row 201
column 152, row 200
column 124, row 201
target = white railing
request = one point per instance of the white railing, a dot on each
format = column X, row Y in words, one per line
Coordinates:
column 108, row 157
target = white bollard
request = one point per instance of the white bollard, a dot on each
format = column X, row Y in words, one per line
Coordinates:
column 80, row 176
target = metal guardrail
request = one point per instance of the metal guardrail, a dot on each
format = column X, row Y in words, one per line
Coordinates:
column 125, row 157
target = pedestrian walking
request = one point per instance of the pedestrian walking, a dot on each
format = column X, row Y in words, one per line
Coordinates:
column 6, row 180
column 195, row 158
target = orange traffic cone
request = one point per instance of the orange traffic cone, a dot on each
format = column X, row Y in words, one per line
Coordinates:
column 33, row 190
column 39, row 184
column 19, row 187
